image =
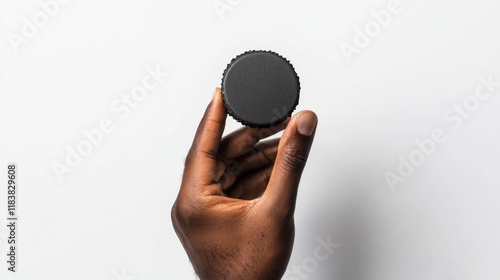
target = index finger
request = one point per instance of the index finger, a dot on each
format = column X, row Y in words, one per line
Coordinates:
column 202, row 157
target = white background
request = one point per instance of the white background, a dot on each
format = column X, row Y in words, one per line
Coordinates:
column 109, row 217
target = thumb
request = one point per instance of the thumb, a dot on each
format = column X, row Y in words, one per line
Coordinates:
column 293, row 151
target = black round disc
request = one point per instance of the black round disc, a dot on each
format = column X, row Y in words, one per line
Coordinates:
column 260, row 88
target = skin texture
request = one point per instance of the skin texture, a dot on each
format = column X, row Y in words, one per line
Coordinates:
column 234, row 212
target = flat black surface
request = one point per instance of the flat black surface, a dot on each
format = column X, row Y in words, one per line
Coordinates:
column 260, row 88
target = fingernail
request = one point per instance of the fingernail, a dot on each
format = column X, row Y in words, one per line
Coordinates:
column 306, row 123
column 213, row 95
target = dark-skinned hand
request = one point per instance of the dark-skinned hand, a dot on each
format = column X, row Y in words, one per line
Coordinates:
column 234, row 212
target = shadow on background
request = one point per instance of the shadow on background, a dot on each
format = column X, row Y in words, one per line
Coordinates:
column 378, row 231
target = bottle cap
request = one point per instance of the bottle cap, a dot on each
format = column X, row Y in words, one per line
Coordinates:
column 260, row 88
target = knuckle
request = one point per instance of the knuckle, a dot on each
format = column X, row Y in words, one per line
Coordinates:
column 210, row 124
column 184, row 213
column 294, row 159
column 211, row 154
column 233, row 167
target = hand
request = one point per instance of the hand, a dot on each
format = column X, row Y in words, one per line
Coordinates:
column 234, row 212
